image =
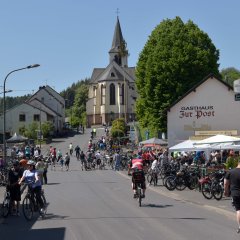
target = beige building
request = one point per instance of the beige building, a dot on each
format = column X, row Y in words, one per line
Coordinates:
column 112, row 91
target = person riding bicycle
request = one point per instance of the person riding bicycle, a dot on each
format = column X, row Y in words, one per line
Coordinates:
column 31, row 177
column 137, row 165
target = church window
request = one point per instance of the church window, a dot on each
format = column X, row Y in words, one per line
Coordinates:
column 102, row 95
column 112, row 74
column 122, row 94
column 112, row 94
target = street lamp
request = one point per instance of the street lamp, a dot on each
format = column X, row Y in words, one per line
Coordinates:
column 4, row 105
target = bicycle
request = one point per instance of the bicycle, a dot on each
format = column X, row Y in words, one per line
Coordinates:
column 6, row 205
column 31, row 205
column 138, row 181
column 139, row 193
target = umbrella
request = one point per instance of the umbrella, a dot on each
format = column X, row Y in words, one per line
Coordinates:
column 154, row 141
column 218, row 139
column 16, row 138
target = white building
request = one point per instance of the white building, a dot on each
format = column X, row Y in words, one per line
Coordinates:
column 46, row 97
column 208, row 106
column 45, row 105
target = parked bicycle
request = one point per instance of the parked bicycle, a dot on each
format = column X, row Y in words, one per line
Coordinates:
column 6, row 204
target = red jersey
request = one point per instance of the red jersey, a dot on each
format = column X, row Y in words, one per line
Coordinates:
column 137, row 163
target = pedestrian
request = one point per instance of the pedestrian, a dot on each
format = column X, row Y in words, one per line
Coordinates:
column 232, row 187
column 117, row 160
column 77, row 150
column 83, row 160
column 67, row 161
column 40, row 168
column 14, row 175
column 59, row 154
column 61, row 161
column 45, row 180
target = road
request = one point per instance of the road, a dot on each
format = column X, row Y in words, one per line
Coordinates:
column 98, row 205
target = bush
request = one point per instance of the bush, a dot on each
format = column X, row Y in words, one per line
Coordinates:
column 117, row 133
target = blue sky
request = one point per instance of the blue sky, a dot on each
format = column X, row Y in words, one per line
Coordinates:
column 69, row 38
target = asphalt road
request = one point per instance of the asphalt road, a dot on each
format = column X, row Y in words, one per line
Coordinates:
column 99, row 205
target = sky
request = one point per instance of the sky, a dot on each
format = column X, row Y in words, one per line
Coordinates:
column 69, row 38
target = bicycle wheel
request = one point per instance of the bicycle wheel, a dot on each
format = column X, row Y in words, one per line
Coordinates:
column 217, row 191
column 180, row 184
column 139, row 197
column 206, row 190
column 193, row 183
column 170, row 183
column 43, row 213
column 5, row 205
column 28, row 208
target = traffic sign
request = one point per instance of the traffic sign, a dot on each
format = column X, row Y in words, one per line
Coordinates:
column 237, row 97
column 236, row 86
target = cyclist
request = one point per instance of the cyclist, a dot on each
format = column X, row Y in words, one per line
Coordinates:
column 137, row 165
column 32, row 178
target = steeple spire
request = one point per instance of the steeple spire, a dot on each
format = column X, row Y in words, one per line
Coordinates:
column 118, row 51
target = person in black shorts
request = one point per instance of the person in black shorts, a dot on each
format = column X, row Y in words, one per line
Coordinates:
column 232, row 187
column 14, row 176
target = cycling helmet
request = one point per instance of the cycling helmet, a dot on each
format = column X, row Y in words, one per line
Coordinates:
column 30, row 162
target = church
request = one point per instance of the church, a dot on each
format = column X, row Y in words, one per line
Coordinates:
column 112, row 91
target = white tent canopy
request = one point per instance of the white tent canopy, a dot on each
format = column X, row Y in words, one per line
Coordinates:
column 188, row 146
column 218, row 139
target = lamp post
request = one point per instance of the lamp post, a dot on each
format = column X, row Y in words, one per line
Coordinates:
column 4, row 105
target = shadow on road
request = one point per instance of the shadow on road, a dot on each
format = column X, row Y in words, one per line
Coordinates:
column 189, row 218
column 157, row 205
column 19, row 228
column 52, row 184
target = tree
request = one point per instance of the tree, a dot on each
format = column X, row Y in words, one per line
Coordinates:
column 47, row 129
column 79, row 107
column 230, row 74
column 175, row 58
column 31, row 131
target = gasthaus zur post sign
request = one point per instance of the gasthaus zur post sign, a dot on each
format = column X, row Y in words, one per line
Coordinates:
column 236, row 86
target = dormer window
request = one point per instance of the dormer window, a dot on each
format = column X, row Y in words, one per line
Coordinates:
column 112, row 74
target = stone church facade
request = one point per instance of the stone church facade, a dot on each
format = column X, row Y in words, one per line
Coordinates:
column 112, row 91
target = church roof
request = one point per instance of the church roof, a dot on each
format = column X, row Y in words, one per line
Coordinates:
column 117, row 37
column 112, row 72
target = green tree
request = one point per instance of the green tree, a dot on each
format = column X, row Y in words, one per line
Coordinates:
column 175, row 58
column 31, row 131
column 118, row 128
column 47, row 129
column 79, row 107
column 230, row 74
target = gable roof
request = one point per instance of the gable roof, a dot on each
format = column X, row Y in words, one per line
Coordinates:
column 50, row 91
column 104, row 74
column 193, row 89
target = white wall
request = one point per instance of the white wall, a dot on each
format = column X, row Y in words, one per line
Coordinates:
column 221, row 112
column 12, row 117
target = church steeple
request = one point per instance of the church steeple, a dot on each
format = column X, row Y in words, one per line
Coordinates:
column 118, row 51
